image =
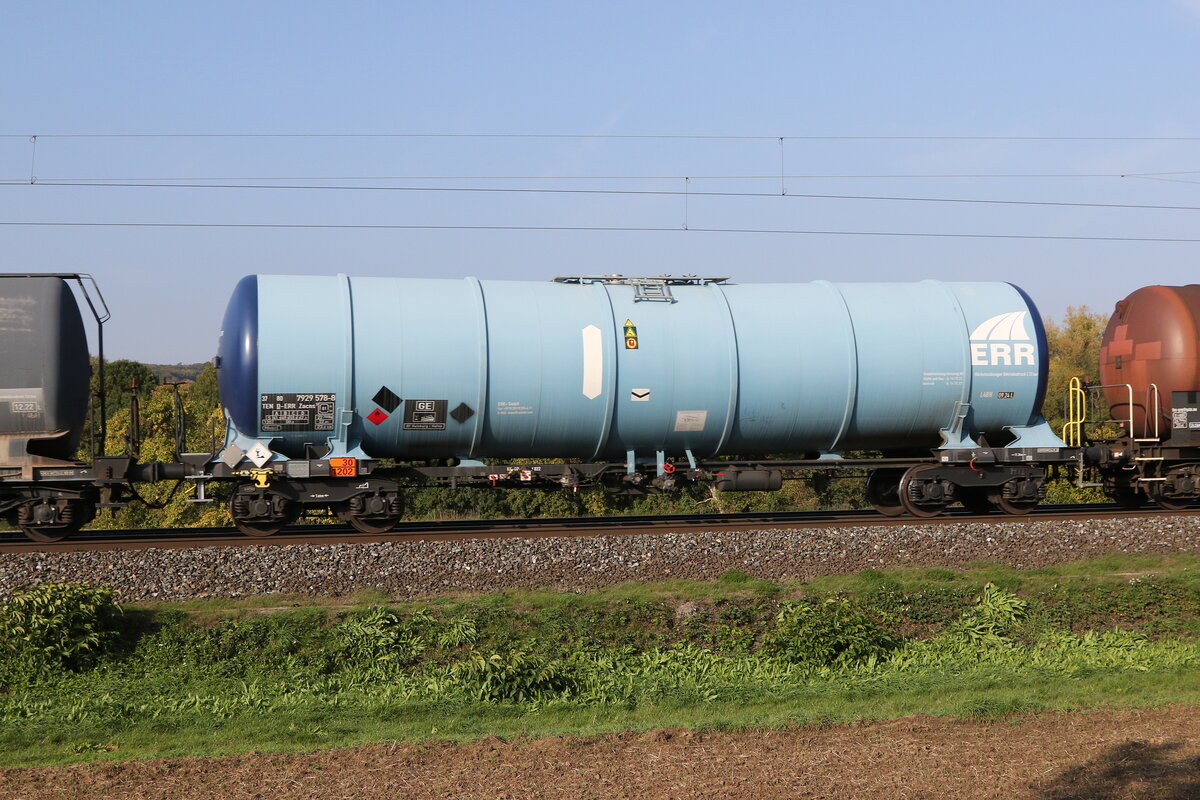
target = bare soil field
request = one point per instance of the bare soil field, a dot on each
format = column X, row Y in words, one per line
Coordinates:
column 1099, row 755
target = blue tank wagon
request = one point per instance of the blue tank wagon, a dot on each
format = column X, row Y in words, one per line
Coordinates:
column 645, row 382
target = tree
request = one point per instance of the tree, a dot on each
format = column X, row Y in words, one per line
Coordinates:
column 120, row 377
column 158, row 430
column 1074, row 346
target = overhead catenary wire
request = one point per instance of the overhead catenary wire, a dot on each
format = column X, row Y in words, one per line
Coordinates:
column 595, row 228
column 291, row 184
column 544, row 177
column 1165, row 180
column 686, row 193
column 667, row 136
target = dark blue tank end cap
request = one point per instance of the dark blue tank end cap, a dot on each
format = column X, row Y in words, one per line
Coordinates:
column 1043, row 351
column 237, row 357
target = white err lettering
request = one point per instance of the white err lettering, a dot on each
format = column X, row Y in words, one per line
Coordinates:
column 996, row 354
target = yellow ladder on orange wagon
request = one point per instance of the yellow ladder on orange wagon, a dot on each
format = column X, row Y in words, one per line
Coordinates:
column 1072, row 430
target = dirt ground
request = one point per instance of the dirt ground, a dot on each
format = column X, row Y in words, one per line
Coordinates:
column 1099, row 755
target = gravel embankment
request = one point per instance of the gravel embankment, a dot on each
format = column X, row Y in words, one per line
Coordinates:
column 412, row 569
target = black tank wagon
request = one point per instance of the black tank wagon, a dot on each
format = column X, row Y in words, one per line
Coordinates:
column 44, row 372
column 45, row 391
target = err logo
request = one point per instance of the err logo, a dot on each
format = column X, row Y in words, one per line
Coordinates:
column 1002, row 341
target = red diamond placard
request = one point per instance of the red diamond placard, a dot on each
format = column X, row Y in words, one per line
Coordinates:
column 377, row 416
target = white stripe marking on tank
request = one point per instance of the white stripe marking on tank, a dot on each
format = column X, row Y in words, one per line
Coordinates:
column 1008, row 326
column 593, row 362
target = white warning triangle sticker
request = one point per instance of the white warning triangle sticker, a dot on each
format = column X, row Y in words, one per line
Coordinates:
column 259, row 454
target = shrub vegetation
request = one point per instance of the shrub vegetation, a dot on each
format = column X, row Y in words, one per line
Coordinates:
column 81, row 677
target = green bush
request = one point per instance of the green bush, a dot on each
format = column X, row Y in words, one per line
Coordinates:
column 1064, row 492
column 310, row 675
column 994, row 617
column 515, row 676
column 56, row 626
column 379, row 638
column 832, row 631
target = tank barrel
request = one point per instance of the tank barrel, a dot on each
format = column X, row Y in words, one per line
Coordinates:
column 598, row 368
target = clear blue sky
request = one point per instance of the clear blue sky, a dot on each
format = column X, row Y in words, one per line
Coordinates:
column 1016, row 69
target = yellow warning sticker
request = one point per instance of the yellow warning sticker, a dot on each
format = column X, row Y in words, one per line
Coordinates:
column 631, row 337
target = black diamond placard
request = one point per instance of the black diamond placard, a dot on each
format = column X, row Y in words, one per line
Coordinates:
column 461, row 413
column 386, row 399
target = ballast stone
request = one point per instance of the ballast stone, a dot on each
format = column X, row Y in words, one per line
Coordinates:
column 421, row 569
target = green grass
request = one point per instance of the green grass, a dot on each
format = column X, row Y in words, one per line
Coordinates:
column 292, row 674
column 970, row 696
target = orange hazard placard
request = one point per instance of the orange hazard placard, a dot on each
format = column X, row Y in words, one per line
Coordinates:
column 343, row 467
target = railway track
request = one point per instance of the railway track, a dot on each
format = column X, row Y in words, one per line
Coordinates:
column 444, row 530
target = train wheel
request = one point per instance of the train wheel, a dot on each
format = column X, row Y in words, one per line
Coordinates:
column 1015, row 507
column 376, row 513
column 1012, row 505
column 921, row 498
column 48, row 521
column 883, row 491
column 975, row 500
column 48, row 534
column 1169, row 503
column 259, row 529
column 383, row 525
column 263, row 514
